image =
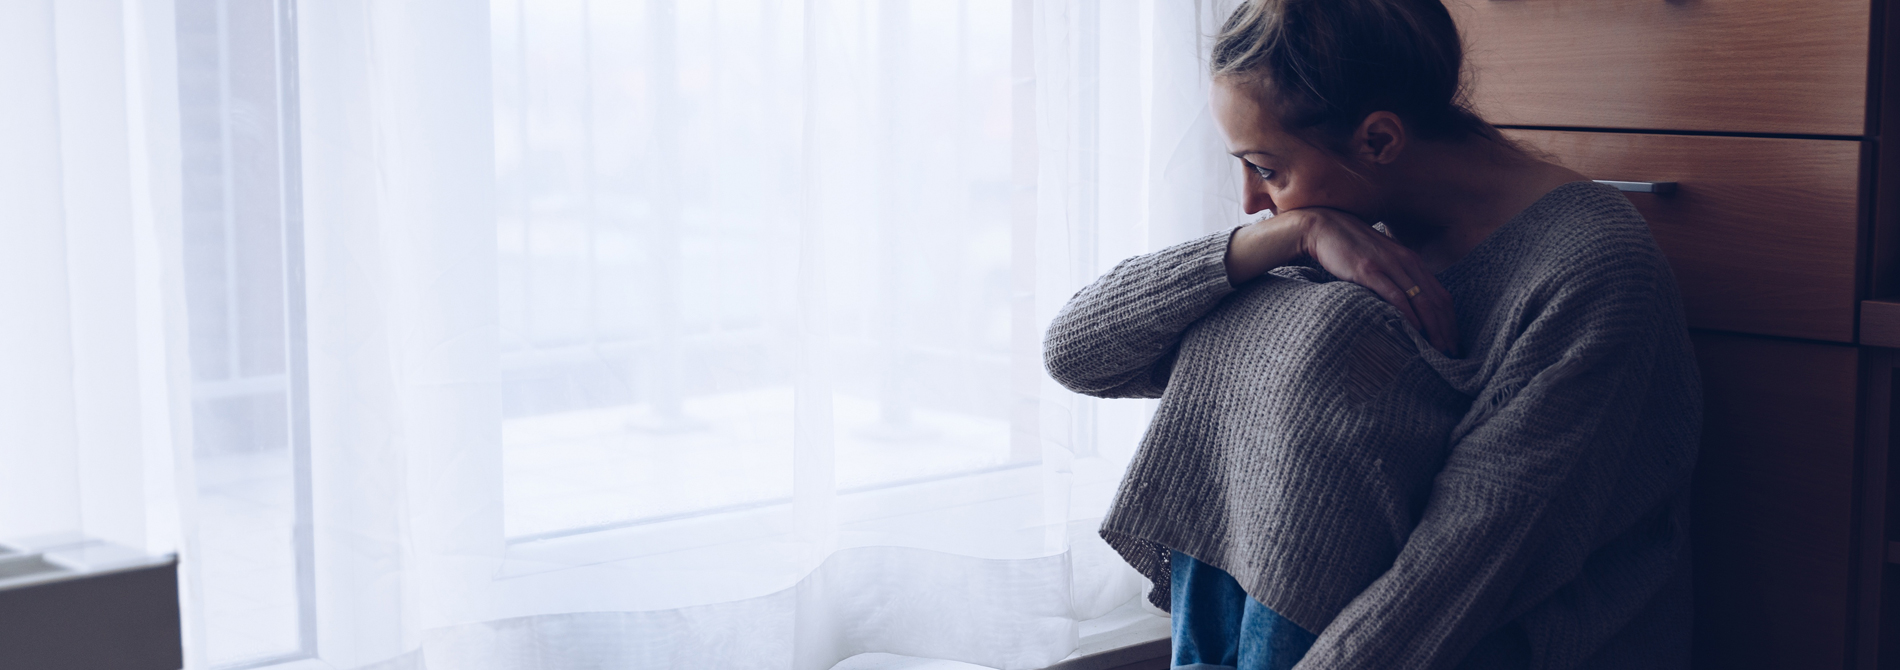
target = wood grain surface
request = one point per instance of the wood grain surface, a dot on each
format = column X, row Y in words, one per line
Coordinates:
column 1774, row 496
column 1880, row 323
column 1873, row 576
column 1766, row 66
column 1762, row 233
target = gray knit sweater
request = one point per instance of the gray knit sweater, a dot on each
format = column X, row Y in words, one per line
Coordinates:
column 1525, row 505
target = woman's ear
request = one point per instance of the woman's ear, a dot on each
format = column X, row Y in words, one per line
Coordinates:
column 1380, row 138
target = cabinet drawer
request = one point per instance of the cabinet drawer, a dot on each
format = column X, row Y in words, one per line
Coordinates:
column 1762, row 233
column 1770, row 66
column 1774, row 502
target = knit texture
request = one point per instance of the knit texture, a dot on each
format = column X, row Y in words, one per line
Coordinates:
column 1525, row 505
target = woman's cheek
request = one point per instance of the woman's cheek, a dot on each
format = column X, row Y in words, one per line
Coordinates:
column 1294, row 198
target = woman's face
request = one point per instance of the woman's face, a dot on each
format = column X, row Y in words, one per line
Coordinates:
column 1284, row 172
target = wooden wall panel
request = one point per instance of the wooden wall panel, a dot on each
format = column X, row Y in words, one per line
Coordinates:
column 1774, row 503
column 1754, row 66
column 1763, row 234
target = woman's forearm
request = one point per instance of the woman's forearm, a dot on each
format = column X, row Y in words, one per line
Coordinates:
column 1264, row 245
column 1116, row 338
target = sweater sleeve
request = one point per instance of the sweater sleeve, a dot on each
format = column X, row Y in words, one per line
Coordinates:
column 1539, row 467
column 1116, row 338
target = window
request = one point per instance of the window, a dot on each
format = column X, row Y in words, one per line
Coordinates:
column 642, row 319
column 242, row 246
column 653, row 208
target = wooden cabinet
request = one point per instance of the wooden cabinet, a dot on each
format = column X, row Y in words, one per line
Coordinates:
column 1762, row 233
column 1761, row 66
column 1774, row 502
column 1768, row 115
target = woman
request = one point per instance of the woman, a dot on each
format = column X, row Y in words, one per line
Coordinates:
column 1462, row 438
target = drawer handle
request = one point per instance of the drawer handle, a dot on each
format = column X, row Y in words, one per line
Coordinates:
column 1658, row 187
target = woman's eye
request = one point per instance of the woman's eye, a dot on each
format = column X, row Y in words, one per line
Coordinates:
column 1263, row 173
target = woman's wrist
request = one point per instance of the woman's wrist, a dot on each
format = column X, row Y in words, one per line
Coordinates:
column 1269, row 243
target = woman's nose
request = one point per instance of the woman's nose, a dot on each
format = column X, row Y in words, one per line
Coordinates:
column 1258, row 201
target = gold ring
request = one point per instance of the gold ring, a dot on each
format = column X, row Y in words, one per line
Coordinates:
column 1411, row 292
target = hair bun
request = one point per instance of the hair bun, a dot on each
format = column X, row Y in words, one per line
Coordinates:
column 1329, row 63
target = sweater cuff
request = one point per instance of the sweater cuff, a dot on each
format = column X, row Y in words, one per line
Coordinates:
column 1200, row 265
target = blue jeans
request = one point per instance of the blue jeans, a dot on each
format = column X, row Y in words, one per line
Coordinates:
column 1218, row 626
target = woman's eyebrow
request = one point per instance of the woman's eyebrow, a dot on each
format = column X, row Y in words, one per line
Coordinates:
column 1244, row 153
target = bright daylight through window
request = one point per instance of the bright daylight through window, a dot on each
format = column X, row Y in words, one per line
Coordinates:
column 243, row 295
column 438, row 334
column 652, row 171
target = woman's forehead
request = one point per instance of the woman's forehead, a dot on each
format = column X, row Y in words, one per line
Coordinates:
column 1248, row 121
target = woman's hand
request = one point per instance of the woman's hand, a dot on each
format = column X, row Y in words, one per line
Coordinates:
column 1351, row 250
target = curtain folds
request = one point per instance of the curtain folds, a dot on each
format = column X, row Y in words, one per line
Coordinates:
column 566, row 333
column 93, row 431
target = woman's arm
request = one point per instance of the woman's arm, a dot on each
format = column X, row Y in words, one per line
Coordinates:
column 1267, row 244
column 1351, row 250
column 1116, row 338
column 1565, row 446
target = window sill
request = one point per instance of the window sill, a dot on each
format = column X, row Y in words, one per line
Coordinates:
column 1130, row 638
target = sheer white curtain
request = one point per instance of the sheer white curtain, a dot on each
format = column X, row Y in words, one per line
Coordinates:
column 89, row 293
column 599, row 334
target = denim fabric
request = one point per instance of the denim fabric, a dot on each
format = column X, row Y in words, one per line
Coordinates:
column 1218, row 626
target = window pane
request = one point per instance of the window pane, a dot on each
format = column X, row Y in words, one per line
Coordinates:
column 669, row 172
column 236, row 288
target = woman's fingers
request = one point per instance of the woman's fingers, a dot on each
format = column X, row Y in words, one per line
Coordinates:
column 1431, row 304
column 1434, row 307
column 1388, row 288
column 1423, row 316
column 1355, row 252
